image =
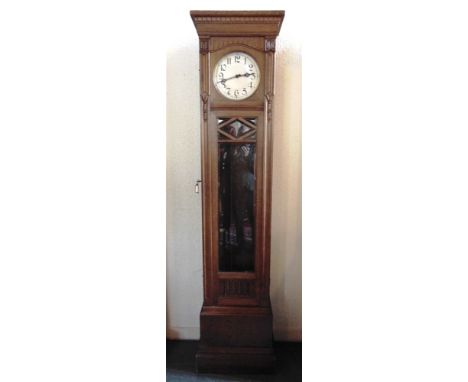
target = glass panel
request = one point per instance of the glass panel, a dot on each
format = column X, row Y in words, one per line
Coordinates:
column 236, row 207
column 222, row 137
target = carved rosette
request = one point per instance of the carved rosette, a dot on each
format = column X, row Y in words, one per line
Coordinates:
column 270, row 45
column 204, row 45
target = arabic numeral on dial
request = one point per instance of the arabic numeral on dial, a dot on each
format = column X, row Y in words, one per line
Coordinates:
column 228, row 60
column 228, row 91
column 244, row 91
column 223, row 67
column 236, row 93
column 251, row 85
column 251, row 67
column 237, row 59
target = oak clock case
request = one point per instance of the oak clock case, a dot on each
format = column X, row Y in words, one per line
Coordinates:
column 237, row 52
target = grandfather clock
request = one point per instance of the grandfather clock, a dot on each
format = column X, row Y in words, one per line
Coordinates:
column 237, row 56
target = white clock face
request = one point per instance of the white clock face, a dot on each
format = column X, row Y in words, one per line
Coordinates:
column 236, row 76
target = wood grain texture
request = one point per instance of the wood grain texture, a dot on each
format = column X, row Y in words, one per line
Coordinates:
column 218, row 43
column 236, row 317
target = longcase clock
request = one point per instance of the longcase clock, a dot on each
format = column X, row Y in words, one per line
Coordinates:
column 237, row 56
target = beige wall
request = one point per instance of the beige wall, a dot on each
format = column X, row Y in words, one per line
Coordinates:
column 184, row 247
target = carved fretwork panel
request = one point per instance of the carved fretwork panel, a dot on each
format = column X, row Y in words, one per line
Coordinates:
column 237, row 288
column 237, row 128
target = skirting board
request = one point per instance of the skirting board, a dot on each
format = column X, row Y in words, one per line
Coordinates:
column 193, row 333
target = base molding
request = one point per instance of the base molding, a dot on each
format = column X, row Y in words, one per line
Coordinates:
column 241, row 360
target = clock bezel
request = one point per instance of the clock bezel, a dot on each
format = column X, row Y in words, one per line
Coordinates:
column 257, row 99
column 214, row 74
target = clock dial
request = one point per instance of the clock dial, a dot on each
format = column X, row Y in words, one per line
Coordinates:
column 236, row 76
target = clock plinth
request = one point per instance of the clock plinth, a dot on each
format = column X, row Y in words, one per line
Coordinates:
column 237, row 53
column 235, row 340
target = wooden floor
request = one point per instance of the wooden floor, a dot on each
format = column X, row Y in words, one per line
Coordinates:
column 180, row 364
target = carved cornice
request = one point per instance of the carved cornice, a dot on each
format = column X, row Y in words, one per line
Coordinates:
column 237, row 23
column 235, row 20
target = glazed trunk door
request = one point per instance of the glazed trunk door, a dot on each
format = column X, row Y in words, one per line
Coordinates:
column 235, row 141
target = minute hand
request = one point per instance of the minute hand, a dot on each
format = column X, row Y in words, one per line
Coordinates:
column 236, row 76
